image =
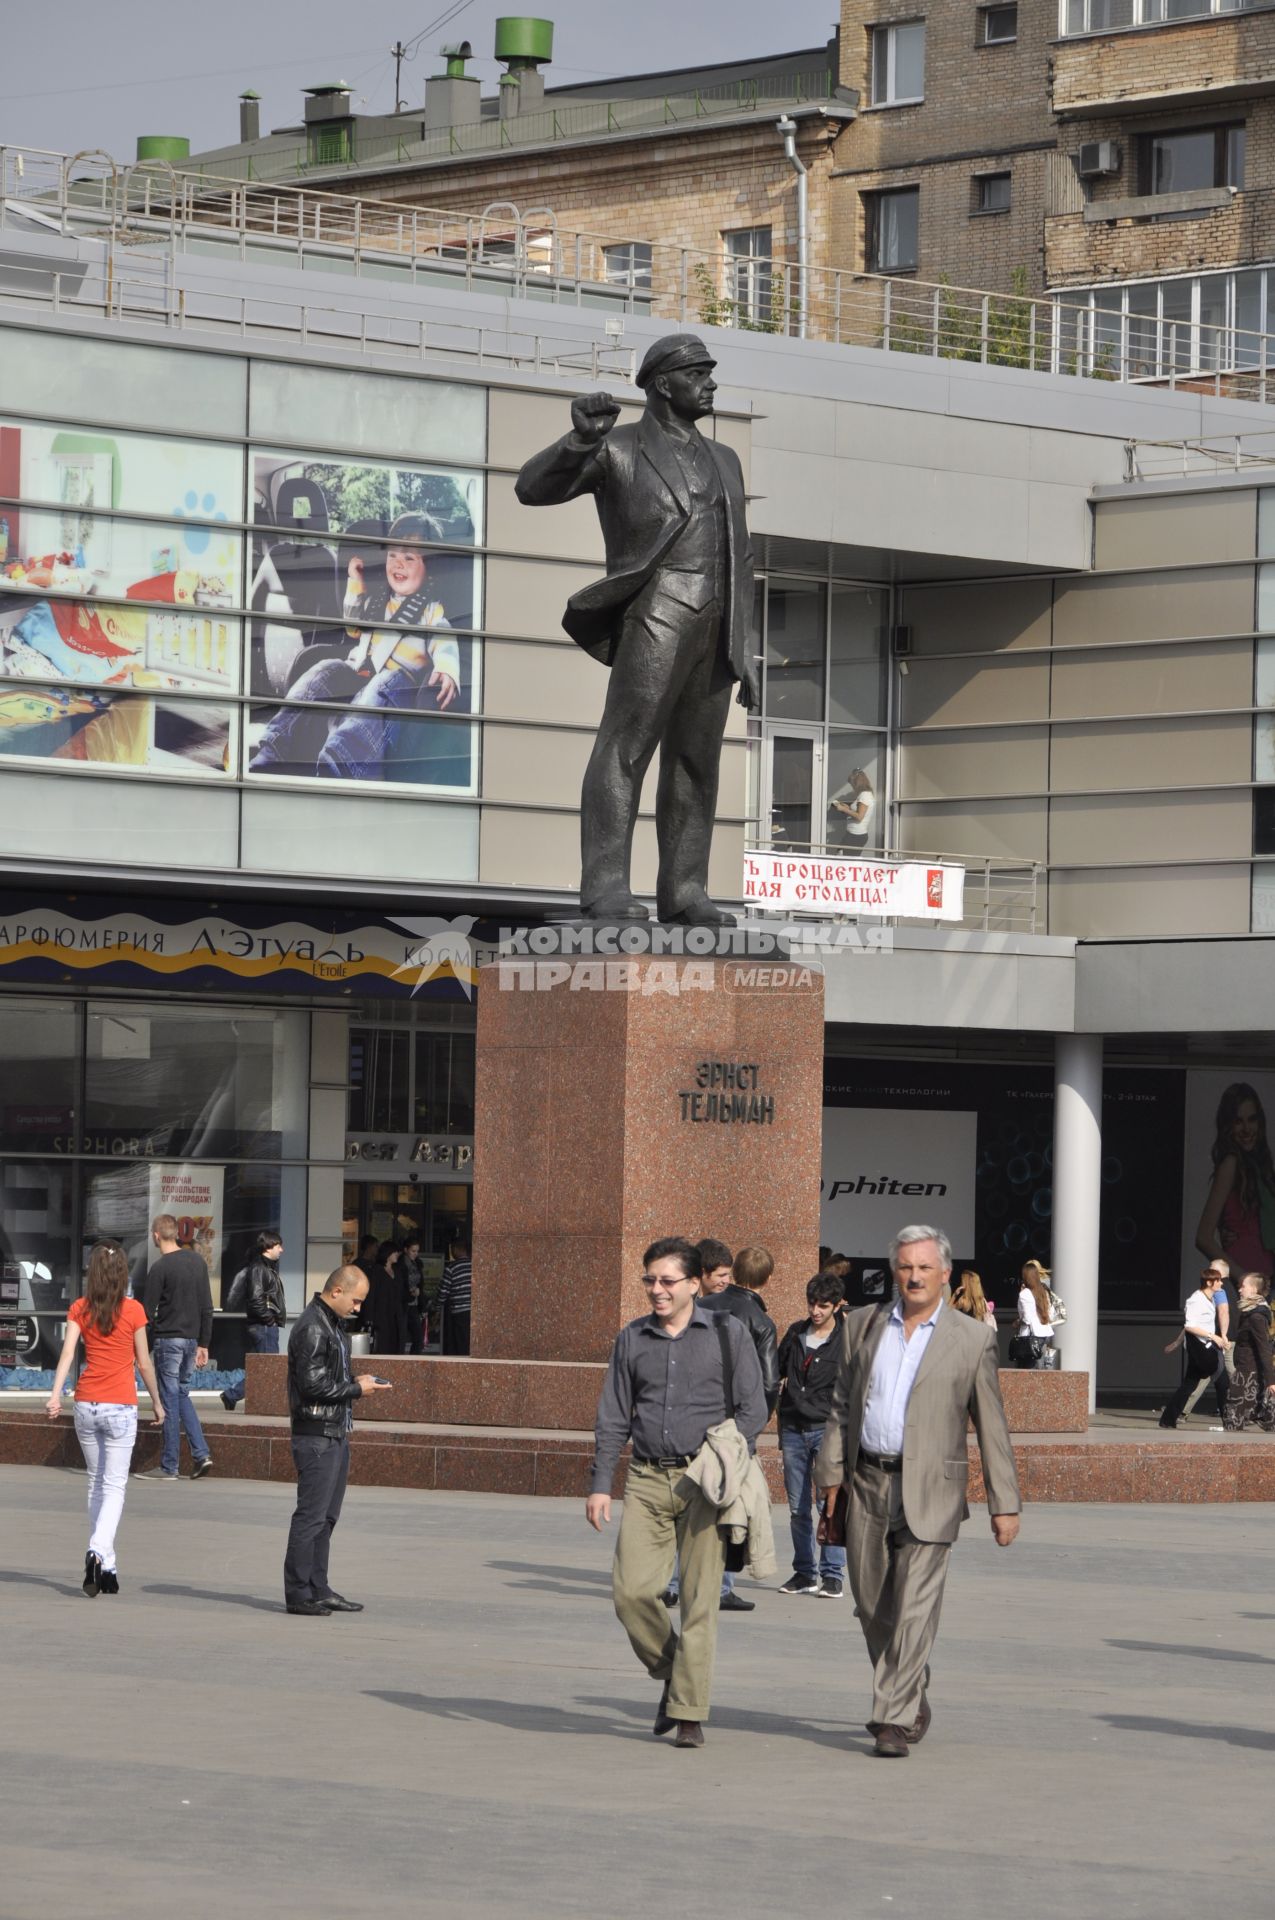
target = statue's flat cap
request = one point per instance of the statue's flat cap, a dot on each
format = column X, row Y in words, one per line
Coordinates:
column 673, row 351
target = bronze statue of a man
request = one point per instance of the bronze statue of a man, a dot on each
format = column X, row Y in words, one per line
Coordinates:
column 672, row 620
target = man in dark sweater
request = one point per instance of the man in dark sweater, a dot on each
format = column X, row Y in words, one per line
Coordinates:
column 808, row 1370
column 177, row 1296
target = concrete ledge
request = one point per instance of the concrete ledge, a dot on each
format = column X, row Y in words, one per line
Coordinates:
column 557, row 1396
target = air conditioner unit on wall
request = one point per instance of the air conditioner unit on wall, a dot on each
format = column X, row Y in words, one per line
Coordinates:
column 1098, row 158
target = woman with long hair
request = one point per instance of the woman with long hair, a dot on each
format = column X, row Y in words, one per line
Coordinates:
column 113, row 1329
column 968, row 1298
column 1238, row 1221
column 1033, row 1342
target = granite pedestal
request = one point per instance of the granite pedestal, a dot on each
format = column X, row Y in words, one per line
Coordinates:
column 621, row 1101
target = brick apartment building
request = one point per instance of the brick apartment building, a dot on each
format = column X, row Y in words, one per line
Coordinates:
column 1087, row 148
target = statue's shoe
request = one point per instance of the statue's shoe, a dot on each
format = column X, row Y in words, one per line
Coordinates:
column 698, row 911
column 614, row 907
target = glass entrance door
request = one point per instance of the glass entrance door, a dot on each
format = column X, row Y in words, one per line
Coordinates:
column 793, row 794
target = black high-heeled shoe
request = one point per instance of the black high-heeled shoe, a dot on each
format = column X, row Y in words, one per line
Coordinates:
column 93, row 1575
column 110, row 1580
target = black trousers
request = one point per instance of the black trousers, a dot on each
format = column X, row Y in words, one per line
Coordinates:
column 1190, row 1381
column 456, row 1332
column 323, row 1466
column 670, row 688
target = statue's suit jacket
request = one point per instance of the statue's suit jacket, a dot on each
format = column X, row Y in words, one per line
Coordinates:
column 956, row 1380
column 643, row 505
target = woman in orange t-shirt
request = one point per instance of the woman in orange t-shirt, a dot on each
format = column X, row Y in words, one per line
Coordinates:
column 113, row 1329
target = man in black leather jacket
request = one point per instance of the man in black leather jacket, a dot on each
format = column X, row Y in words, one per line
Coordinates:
column 257, row 1292
column 322, row 1389
column 752, row 1268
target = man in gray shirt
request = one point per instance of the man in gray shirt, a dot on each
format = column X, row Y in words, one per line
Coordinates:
column 665, row 1387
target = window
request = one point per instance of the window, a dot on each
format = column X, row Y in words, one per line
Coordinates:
column 1110, row 16
column 796, row 645
column 991, row 193
column 999, row 25
column 892, row 223
column 1194, row 157
column 898, row 63
column 628, row 265
column 748, row 254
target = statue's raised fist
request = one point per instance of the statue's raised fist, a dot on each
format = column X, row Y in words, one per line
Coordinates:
column 593, row 415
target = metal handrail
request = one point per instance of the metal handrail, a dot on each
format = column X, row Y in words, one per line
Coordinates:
column 1001, row 894
column 145, row 208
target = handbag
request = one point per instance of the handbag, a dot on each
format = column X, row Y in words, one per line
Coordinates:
column 1057, row 1308
column 1025, row 1349
column 831, row 1530
column 736, row 1550
column 1049, row 1359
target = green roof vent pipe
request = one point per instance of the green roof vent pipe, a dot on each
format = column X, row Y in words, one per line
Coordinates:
column 524, row 45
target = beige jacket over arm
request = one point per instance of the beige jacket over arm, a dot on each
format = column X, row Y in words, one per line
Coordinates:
column 956, row 1381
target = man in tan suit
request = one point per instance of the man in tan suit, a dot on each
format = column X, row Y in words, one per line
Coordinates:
column 910, row 1376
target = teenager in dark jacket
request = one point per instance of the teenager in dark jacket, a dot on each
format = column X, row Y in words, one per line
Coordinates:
column 808, row 1370
column 751, row 1270
column 257, row 1292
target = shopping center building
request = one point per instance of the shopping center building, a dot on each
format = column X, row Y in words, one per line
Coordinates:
column 1016, row 603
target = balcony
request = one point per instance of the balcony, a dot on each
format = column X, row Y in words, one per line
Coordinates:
column 1184, row 63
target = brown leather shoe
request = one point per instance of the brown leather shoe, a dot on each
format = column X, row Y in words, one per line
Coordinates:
column 689, row 1734
column 892, row 1743
column 663, row 1724
column 916, row 1732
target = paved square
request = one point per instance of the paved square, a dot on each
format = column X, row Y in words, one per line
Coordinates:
column 478, row 1742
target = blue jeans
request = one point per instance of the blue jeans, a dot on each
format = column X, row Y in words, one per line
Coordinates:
column 799, row 1459
column 174, row 1364
column 368, row 743
column 256, row 1340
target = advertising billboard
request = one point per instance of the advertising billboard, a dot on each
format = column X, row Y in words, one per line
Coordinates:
column 364, row 587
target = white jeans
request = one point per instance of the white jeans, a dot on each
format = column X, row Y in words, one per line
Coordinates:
column 106, row 1434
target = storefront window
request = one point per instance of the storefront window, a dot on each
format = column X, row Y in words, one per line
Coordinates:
column 39, row 1048
column 379, row 1066
column 36, row 1214
column 444, row 1090
column 195, row 1082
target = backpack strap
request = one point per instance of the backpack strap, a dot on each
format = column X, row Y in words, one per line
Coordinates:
column 728, row 1364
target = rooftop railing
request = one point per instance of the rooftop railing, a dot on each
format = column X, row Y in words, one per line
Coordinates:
column 1173, row 459
column 145, row 213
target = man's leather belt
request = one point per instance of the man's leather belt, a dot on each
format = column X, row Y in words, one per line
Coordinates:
column 887, row 1462
column 664, row 1460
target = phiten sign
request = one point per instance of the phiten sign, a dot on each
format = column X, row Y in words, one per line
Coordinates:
column 906, row 889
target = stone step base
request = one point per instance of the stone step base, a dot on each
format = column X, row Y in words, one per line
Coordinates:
column 1108, row 1465
column 562, row 1395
